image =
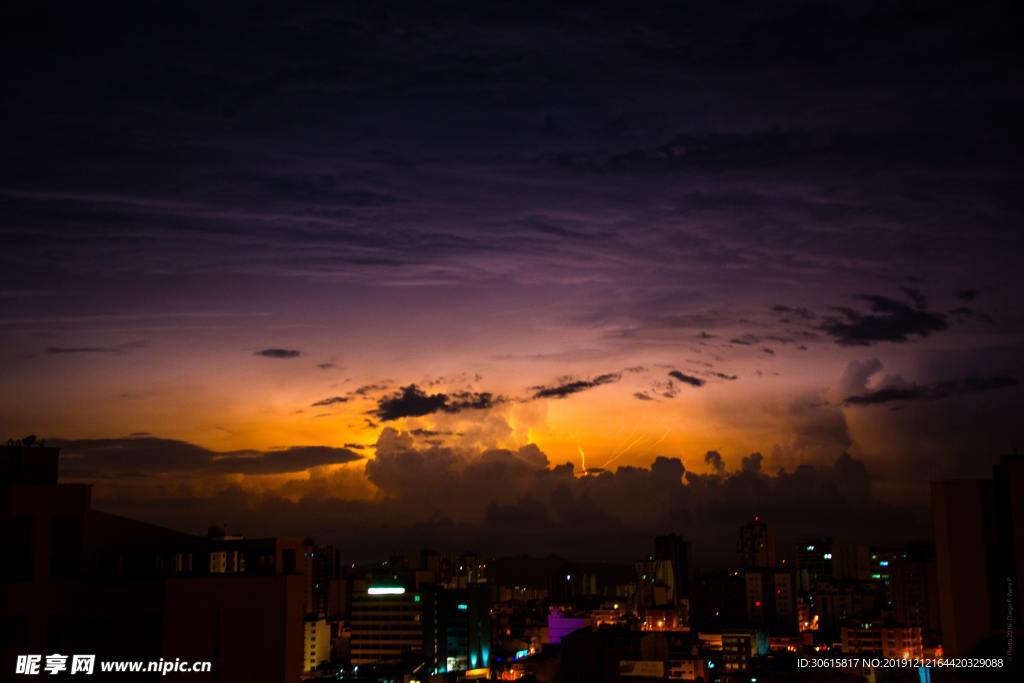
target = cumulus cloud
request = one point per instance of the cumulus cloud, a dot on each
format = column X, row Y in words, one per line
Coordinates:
column 888, row 321
column 856, row 376
column 513, row 500
column 280, row 354
column 714, row 458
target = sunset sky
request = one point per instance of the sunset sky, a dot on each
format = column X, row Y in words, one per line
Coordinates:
column 327, row 262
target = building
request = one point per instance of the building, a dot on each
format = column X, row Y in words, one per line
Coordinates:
column 978, row 527
column 882, row 639
column 85, row 581
column 834, row 602
column 756, row 546
column 828, row 559
column 386, row 624
column 316, row 643
column 771, row 598
column 739, row 647
column 719, row 602
column 456, row 628
column 249, row 626
column 914, row 591
column 672, row 548
column 594, row 656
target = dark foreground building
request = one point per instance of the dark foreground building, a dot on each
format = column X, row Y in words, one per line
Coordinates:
column 979, row 543
column 80, row 581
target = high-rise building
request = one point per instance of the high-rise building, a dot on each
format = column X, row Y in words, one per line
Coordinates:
column 914, row 592
column 316, row 643
column 978, row 528
column 827, row 559
column 456, row 628
column 386, row 623
column 771, row 598
column 756, row 546
column 673, row 548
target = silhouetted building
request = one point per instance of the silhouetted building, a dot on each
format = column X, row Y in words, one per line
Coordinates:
column 719, row 602
column 595, row 656
column 90, row 582
column 756, row 546
column 827, row 559
column 673, row 548
column 978, row 537
column 914, row 590
column 771, row 598
column 42, row 524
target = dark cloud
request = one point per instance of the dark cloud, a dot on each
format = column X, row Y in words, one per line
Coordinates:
column 745, row 340
column 368, row 389
column 714, row 458
column 889, row 321
column 411, row 401
column 574, row 386
column 722, row 375
column 795, row 312
column 434, row 495
column 751, row 464
column 939, row 390
column 642, row 396
column 119, row 349
column 81, row 349
column 968, row 294
column 150, row 456
column 330, row 401
column 916, row 296
column 968, row 312
column 686, row 379
column 327, row 366
column 278, row 353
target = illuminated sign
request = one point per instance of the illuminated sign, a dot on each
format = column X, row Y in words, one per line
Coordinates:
column 385, row 590
column 462, row 606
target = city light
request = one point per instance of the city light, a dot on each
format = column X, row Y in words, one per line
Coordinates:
column 385, row 590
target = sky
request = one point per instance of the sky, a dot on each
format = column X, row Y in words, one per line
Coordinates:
column 523, row 275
